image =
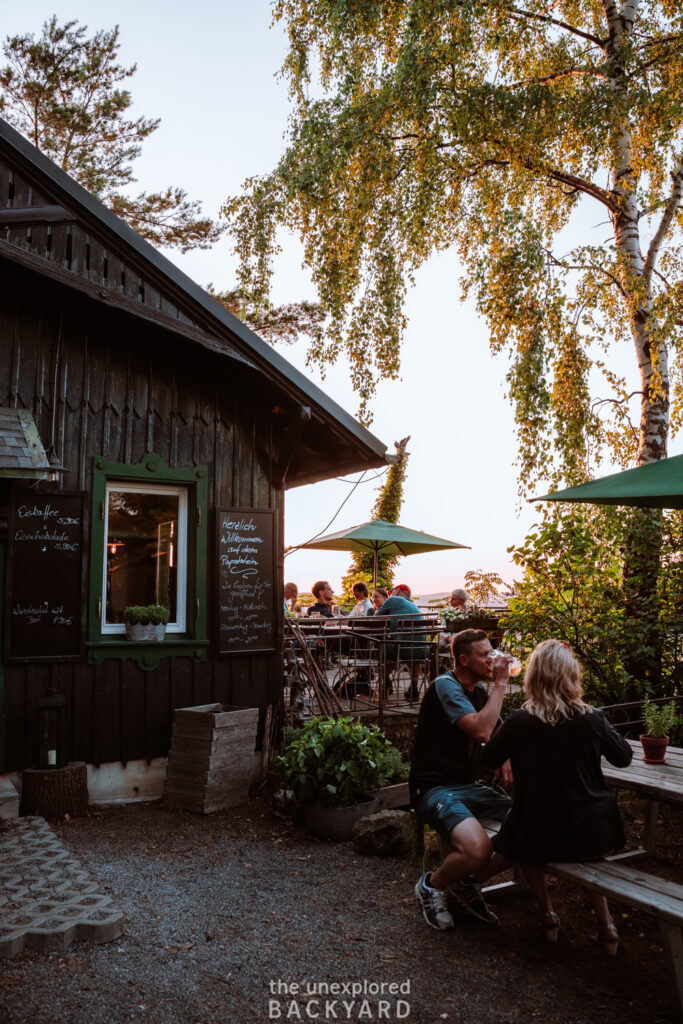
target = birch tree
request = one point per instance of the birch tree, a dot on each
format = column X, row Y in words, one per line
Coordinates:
column 486, row 125
column 500, row 127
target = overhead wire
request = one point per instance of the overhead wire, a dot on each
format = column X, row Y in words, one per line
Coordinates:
column 315, row 536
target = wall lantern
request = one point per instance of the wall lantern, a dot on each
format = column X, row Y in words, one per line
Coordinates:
column 51, row 729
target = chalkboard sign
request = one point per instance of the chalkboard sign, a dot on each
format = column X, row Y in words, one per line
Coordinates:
column 45, row 578
column 246, row 583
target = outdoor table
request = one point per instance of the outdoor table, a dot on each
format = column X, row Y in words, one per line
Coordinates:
column 654, row 781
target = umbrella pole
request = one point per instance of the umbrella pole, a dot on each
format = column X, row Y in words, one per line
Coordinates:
column 374, row 570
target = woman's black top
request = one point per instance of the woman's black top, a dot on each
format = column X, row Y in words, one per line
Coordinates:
column 562, row 808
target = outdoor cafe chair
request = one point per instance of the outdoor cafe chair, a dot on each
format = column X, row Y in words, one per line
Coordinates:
column 361, row 665
column 415, row 641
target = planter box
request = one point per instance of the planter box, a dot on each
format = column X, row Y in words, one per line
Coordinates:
column 212, row 762
column 489, row 623
column 390, row 797
column 337, row 822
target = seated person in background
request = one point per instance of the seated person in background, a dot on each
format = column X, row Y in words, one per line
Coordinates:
column 363, row 605
column 563, row 809
column 291, row 594
column 456, row 604
column 323, row 594
column 379, row 596
column 399, row 606
column 457, row 716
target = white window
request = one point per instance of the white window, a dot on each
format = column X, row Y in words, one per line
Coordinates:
column 145, row 554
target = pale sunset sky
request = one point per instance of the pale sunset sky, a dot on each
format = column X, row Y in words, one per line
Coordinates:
column 209, row 71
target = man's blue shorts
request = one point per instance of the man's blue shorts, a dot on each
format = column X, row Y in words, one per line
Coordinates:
column 444, row 807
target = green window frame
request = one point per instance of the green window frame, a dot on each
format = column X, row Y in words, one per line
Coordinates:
column 193, row 641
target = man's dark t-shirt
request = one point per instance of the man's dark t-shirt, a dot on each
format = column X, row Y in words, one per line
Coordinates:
column 324, row 609
column 444, row 755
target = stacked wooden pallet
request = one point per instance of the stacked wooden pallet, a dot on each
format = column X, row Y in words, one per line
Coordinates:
column 212, row 761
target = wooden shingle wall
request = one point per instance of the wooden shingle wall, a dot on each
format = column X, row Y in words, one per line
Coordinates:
column 102, row 382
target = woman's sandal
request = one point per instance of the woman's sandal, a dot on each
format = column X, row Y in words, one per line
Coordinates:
column 608, row 937
column 550, row 923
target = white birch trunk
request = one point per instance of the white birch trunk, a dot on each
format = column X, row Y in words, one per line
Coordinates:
column 634, row 277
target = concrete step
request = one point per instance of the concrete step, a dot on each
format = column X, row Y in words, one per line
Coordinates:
column 9, row 800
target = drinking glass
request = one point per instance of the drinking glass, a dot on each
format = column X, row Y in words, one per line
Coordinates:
column 513, row 661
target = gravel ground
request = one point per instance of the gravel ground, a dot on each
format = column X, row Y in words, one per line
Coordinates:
column 224, row 910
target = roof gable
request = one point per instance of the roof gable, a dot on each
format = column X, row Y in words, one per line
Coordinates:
column 51, row 225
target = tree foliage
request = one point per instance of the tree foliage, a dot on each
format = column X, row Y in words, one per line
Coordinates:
column 572, row 588
column 484, row 587
column 486, row 126
column 388, row 507
column 498, row 127
column 64, row 92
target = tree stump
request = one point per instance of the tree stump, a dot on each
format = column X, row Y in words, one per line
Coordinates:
column 55, row 792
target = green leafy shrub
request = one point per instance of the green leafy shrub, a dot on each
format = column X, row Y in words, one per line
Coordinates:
column 512, row 700
column 571, row 590
column 334, row 761
column 393, row 767
column 658, row 719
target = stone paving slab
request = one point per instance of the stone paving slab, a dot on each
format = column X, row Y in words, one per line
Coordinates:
column 47, row 899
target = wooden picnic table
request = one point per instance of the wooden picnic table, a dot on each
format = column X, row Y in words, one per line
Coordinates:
column 656, row 782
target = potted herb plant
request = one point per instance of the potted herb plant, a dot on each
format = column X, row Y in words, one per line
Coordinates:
column 158, row 618
column 658, row 720
column 331, row 766
column 136, row 622
column 146, row 622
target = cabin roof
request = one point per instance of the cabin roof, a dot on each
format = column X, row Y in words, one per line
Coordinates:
column 21, row 451
column 326, row 439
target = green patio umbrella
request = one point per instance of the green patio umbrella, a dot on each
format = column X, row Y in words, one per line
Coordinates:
column 382, row 538
column 654, row 485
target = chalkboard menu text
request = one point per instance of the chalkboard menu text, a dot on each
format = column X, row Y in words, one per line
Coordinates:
column 246, row 585
column 45, row 585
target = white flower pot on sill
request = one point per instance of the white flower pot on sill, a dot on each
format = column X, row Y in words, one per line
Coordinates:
column 146, row 633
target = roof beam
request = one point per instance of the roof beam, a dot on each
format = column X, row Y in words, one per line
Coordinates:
column 36, row 215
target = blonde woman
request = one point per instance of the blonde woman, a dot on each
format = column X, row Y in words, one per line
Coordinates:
column 562, row 809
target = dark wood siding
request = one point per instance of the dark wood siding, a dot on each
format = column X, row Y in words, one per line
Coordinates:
column 101, row 382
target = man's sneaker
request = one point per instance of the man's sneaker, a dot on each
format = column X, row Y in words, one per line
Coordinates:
column 433, row 903
column 467, row 894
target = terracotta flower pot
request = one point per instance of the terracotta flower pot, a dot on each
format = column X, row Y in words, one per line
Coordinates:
column 654, row 748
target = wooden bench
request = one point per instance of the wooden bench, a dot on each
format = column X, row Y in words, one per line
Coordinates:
column 624, row 884
column 650, row 894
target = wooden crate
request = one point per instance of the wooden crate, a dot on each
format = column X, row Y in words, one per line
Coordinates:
column 212, row 761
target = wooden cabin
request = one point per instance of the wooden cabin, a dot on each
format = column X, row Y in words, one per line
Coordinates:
column 147, row 438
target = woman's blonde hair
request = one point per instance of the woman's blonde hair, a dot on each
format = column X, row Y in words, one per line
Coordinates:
column 553, row 683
